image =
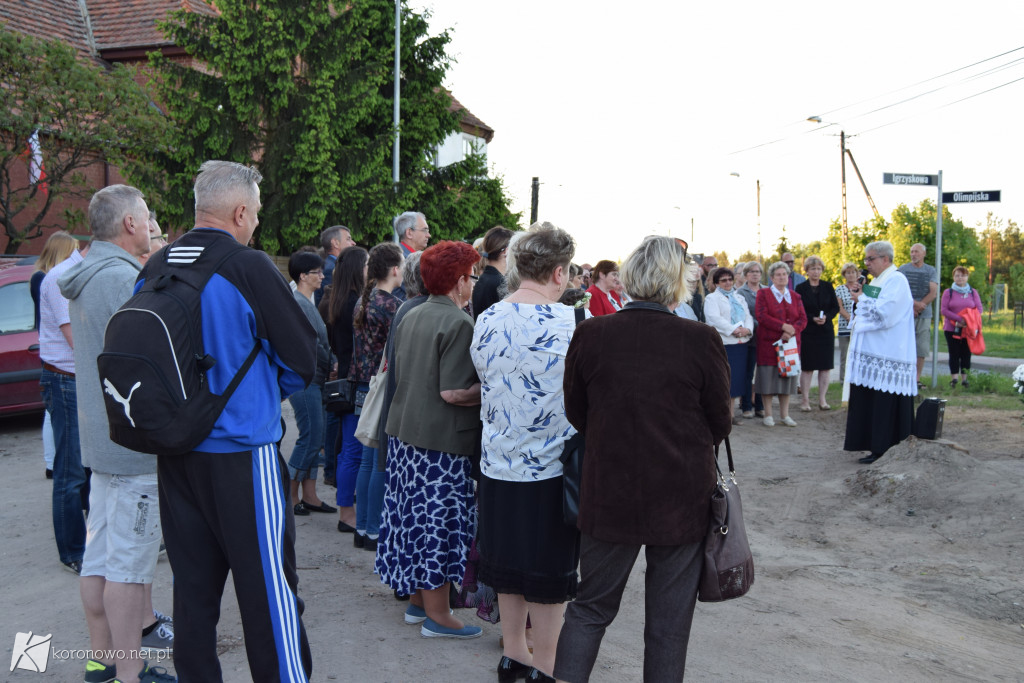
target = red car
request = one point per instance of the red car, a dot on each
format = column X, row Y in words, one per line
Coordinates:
column 19, row 344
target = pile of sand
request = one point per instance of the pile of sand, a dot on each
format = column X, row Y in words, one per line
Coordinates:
column 919, row 474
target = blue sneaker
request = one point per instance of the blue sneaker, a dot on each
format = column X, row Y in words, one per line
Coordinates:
column 415, row 615
column 97, row 672
column 432, row 629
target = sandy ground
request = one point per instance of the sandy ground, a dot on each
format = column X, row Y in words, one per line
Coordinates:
column 907, row 570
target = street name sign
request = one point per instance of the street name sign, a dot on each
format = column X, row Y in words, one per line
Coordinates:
column 909, row 179
column 971, row 197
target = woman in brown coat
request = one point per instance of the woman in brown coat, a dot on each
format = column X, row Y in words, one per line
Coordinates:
column 650, row 391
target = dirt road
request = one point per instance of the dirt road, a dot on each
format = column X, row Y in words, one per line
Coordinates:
column 907, row 570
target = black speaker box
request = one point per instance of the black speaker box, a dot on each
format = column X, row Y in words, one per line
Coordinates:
column 929, row 418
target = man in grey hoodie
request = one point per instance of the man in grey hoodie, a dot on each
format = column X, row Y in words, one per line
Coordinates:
column 124, row 520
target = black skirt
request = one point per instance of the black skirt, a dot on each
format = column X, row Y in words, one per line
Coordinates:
column 877, row 420
column 817, row 347
column 525, row 547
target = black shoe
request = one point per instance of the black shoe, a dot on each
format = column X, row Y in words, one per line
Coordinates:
column 399, row 596
column 322, row 507
column 868, row 459
column 369, row 544
column 49, row 473
column 509, row 670
column 300, row 510
column 345, row 528
column 965, row 384
column 74, row 566
column 536, row 675
column 358, row 540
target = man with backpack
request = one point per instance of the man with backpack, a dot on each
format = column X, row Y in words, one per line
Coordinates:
column 223, row 502
column 123, row 538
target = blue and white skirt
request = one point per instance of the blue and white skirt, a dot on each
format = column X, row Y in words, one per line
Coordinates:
column 429, row 518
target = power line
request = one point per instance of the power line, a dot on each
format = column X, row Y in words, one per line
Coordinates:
column 948, row 104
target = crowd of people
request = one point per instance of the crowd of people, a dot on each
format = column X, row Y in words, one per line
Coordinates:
column 489, row 357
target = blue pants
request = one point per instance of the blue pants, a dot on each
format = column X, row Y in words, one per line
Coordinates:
column 308, row 405
column 350, row 455
column 745, row 404
column 369, row 494
column 332, row 425
column 70, row 479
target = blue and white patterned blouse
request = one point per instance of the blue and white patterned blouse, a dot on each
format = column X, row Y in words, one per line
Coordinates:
column 519, row 353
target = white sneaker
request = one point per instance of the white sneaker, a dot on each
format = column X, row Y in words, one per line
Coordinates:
column 768, row 421
column 788, row 421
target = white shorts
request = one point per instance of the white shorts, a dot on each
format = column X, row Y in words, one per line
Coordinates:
column 123, row 532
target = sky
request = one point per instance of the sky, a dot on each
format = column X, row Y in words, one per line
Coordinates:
column 652, row 117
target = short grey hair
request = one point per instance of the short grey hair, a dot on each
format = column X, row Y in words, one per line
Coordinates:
column 750, row 265
column 881, row 248
column 108, row 208
column 849, row 265
column 330, row 234
column 412, row 278
column 811, row 261
column 406, row 221
column 220, row 183
column 657, row 271
column 775, row 266
column 540, row 251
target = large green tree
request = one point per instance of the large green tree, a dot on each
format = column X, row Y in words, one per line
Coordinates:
column 960, row 244
column 85, row 115
column 304, row 90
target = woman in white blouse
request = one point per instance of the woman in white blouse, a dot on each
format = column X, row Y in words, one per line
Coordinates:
column 726, row 310
column 527, row 554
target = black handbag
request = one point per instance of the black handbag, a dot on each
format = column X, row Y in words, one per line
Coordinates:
column 572, row 474
column 340, row 396
column 728, row 570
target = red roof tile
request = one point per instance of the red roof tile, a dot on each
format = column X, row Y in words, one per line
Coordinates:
column 470, row 123
column 50, row 20
column 133, row 23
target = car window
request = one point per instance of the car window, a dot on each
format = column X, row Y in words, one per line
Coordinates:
column 17, row 314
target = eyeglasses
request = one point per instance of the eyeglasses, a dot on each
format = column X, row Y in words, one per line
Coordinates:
column 426, row 230
column 318, row 271
column 724, row 279
column 162, row 236
column 869, row 259
column 474, row 278
column 789, row 263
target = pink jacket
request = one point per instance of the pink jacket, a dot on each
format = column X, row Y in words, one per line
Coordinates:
column 953, row 305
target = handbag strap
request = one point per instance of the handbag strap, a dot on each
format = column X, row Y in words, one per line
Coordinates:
column 728, row 452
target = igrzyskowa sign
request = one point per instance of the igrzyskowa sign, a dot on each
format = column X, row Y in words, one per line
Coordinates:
column 971, row 197
column 909, row 179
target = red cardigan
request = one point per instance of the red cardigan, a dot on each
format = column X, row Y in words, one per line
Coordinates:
column 770, row 315
column 599, row 304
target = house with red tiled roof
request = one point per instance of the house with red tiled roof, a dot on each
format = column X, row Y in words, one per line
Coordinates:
column 125, row 31
column 472, row 138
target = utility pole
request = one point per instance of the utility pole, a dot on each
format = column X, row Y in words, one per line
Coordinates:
column 863, row 184
column 758, row 219
column 534, row 198
column 842, row 159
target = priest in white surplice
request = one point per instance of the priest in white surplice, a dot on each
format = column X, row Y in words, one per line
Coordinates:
column 881, row 366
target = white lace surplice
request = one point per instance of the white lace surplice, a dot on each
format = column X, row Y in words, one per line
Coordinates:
column 883, row 353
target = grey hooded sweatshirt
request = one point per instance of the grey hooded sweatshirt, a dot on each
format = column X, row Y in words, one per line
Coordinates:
column 95, row 288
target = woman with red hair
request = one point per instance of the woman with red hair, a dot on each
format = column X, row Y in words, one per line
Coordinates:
column 433, row 428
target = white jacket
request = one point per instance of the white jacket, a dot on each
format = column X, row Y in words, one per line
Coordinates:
column 718, row 314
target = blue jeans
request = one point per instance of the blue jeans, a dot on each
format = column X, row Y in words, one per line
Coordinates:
column 745, row 403
column 308, row 405
column 349, row 457
column 331, row 426
column 70, row 479
column 369, row 494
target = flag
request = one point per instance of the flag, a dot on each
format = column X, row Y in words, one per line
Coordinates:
column 36, row 172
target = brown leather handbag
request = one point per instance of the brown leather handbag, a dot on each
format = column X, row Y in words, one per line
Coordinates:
column 728, row 570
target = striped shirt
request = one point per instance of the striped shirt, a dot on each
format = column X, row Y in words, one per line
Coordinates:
column 53, row 312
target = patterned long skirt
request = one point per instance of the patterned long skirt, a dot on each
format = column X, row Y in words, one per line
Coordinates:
column 429, row 518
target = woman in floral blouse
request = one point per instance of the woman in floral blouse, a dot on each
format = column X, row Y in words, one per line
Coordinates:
column 527, row 554
column 371, row 321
